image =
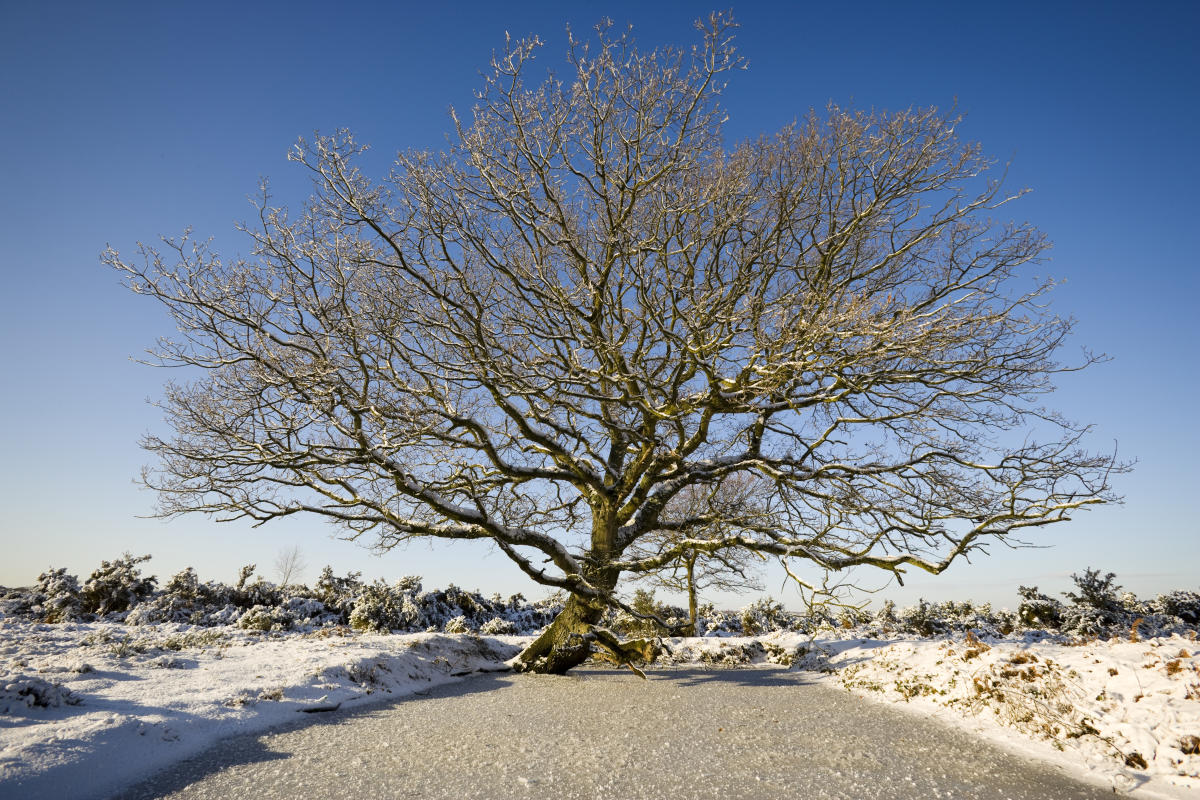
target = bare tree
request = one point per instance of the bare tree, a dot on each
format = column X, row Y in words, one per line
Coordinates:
column 290, row 565
column 732, row 569
column 590, row 303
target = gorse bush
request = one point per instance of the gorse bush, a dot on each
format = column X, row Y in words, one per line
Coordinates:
column 32, row 691
column 922, row 619
column 183, row 599
column 498, row 626
column 338, row 594
column 1184, row 605
column 1097, row 608
column 58, row 595
column 382, row 608
column 762, row 616
column 117, row 591
column 116, row 586
column 1099, row 594
column 1037, row 610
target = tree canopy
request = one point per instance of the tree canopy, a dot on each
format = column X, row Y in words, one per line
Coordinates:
column 591, row 303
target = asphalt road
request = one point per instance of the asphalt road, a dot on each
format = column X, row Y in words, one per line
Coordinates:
column 687, row 733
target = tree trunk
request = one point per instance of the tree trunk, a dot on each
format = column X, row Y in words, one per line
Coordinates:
column 691, row 582
column 555, row 651
column 560, row 647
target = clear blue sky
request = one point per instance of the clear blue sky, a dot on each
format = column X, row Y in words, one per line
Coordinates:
column 123, row 121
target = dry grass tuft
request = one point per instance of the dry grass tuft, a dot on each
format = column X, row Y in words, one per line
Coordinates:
column 975, row 648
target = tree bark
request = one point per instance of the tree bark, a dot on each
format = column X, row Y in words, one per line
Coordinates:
column 561, row 646
column 691, row 583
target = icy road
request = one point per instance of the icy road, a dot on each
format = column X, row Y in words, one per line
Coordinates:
column 684, row 733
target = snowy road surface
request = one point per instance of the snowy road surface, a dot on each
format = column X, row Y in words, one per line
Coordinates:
column 685, row 733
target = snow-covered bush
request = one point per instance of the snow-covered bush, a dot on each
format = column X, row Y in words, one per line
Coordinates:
column 382, row 608
column 438, row 607
column 1038, row 610
column 58, row 595
column 265, row 618
column 116, row 586
column 184, row 589
column 1097, row 608
column 531, row 617
column 257, row 618
column 1098, row 594
column 851, row 617
column 1085, row 622
column 18, row 602
column 711, row 621
column 248, row 594
column 1184, row 605
column 498, row 626
column 763, row 616
column 922, row 620
column 30, row 691
column 339, row 594
column 886, row 615
column 184, row 600
column 979, row 619
column 307, row 611
column 733, row 655
column 936, row 619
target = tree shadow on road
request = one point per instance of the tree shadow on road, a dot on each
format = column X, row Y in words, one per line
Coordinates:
column 747, row 675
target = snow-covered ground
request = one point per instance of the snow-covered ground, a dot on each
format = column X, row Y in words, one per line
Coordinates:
column 88, row 708
column 1121, row 712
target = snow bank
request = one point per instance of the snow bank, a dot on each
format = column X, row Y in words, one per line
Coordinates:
column 1119, row 712
column 87, row 709
column 1125, row 712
